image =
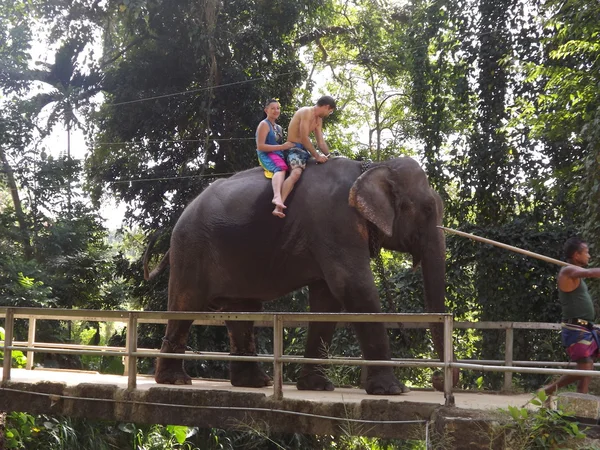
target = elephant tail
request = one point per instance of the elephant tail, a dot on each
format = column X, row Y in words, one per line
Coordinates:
column 164, row 262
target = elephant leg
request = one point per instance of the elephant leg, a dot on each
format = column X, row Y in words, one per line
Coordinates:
column 169, row 370
column 313, row 377
column 243, row 343
column 183, row 296
column 360, row 296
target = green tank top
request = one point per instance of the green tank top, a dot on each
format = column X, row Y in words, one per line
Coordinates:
column 577, row 304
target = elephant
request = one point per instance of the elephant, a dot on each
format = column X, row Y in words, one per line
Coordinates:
column 229, row 253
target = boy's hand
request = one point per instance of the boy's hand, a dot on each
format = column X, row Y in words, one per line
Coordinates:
column 321, row 159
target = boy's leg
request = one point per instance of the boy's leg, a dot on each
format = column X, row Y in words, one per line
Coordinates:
column 296, row 159
column 274, row 162
column 289, row 183
column 277, row 182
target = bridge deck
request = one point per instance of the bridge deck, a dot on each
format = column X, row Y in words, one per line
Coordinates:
column 467, row 400
column 215, row 403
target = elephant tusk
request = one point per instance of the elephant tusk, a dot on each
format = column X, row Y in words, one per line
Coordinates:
column 506, row 246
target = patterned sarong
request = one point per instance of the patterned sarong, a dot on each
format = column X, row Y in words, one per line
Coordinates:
column 271, row 162
column 297, row 157
column 580, row 342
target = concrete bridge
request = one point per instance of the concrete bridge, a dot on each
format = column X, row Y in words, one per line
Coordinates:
column 217, row 404
column 465, row 417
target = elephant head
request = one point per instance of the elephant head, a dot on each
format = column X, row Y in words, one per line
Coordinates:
column 395, row 196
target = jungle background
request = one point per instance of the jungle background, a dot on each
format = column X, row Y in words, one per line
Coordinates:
column 499, row 100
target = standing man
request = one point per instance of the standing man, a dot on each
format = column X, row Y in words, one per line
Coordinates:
column 305, row 121
column 578, row 334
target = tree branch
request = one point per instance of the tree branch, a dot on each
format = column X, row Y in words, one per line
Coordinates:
column 317, row 34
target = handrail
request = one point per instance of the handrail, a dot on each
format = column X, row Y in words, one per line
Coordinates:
column 277, row 320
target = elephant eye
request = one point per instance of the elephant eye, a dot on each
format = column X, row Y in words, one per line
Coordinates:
column 406, row 206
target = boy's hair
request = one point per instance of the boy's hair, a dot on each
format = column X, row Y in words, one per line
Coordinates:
column 326, row 100
column 271, row 100
column 572, row 246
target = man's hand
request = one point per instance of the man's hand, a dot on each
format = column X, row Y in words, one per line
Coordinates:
column 321, row 159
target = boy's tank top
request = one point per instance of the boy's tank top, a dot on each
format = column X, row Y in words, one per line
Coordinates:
column 577, row 304
column 275, row 134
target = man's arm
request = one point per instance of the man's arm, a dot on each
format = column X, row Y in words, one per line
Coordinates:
column 579, row 272
column 569, row 276
column 305, row 121
column 319, row 137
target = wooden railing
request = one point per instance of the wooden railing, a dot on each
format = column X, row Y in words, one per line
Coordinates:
column 278, row 321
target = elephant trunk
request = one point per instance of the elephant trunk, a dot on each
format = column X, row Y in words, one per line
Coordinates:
column 434, row 268
column 434, row 280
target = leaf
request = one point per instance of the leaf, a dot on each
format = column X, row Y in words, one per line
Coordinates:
column 129, row 428
column 514, row 412
column 179, row 431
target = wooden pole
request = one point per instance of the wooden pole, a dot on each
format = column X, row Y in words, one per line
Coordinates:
column 506, row 246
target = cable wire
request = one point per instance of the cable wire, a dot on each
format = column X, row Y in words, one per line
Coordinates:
column 191, row 91
column 210, row 175
column 175, row 141
column 274, row 76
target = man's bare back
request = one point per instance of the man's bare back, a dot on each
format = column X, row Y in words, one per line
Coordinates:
column 305, row 118
column 305, row 121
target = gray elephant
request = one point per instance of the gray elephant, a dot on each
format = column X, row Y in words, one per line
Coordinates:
column 229, row 253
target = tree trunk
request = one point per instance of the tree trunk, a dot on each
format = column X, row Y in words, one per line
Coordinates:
column 14, row 192
column 2, row 428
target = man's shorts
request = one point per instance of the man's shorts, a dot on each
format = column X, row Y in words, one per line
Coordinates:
column 297, row 157
column 272, row 162
column 580, row 342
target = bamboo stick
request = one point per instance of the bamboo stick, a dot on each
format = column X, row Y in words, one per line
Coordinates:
column 505, row 246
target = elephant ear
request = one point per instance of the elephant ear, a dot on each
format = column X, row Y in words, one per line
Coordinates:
column 373, row 197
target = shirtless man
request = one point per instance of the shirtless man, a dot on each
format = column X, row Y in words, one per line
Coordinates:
column 306, row 120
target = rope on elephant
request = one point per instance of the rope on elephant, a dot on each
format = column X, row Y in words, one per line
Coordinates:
column 56, row 397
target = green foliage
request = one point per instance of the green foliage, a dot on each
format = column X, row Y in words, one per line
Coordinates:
column 542, row 428
column 18, row 358
column 24, row 431
column 19, row 430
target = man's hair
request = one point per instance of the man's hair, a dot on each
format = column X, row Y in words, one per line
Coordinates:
column 326, row 100
column 572, row 246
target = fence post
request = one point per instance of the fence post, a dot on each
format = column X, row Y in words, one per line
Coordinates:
column 508, row 358
column 31, row 342
column 131, row 361
column 448, row 358
column 277, row 354
column 9, row 326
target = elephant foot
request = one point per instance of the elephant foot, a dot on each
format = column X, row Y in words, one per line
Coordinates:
column 248, row 374
column 171, row 371
column 384, row 383
column 313, row 379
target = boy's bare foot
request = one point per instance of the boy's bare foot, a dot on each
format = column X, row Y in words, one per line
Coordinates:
column 279, row 207
column 278, row 212
column 278, row 203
